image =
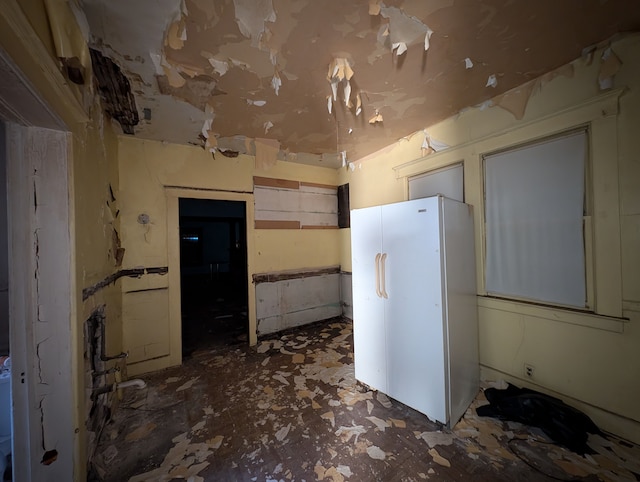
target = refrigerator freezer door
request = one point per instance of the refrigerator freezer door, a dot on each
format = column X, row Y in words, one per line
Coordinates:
column 416, row 356
column 369, row 340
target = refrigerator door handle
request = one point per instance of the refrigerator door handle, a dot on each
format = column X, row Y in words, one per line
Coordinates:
column 383, row 290
column 377, row 263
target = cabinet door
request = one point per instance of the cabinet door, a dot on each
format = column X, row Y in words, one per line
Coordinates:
column 414, row 312
column 368, row 307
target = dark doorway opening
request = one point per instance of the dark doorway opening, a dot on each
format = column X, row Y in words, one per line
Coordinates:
column 213, row 274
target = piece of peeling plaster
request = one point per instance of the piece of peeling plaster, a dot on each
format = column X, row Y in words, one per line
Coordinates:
column 439, row 459
column 492, row 81
column 276, row 82
column 399, row 48
column 468, row 64
column 609, row 67
column 376, row 453
column 187, row 385
column 376, row 118
column 221, row 67
column 427, row 38
column 283, row 432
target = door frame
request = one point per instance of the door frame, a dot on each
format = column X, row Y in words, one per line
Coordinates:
column 41, row 281
column 173, row 196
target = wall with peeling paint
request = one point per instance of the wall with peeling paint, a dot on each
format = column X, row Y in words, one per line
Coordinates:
column 91, row 148
column 95, row 179
column 591, row 361
column 149, row 170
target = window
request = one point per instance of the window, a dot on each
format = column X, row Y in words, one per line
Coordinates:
column 534, row 208
column 448, row 181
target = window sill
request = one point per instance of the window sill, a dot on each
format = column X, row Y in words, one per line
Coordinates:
column 562, row 315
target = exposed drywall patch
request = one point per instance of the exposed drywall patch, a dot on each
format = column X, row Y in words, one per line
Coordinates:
column 239, row 144
column 397, row 102
column 405, row 29
column 196, row 91
column 243, row 55
column 251, row 16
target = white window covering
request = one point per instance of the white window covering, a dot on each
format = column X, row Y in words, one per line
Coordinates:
column 448, row 181
column 534, row 198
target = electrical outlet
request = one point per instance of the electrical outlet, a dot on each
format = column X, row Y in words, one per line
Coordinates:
column 528, row 370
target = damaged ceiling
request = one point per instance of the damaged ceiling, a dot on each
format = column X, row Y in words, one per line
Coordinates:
column 321, row 78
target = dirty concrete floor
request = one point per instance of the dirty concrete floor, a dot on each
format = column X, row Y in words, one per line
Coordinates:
column 290, row 409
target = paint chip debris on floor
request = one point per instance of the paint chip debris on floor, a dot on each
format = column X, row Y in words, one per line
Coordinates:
column 290, row 409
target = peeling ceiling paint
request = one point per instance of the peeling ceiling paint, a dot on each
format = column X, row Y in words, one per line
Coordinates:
column 213, row 72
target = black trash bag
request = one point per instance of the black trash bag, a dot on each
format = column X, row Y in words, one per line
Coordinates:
column 563, row 424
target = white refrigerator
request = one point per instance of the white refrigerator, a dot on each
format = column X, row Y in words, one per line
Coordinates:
column 415, row 322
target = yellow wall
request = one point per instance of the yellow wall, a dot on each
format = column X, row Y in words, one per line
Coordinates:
column 94, row 169
column 92, row 163
column 37, row 15
column 153, row 175
column 590, row 359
